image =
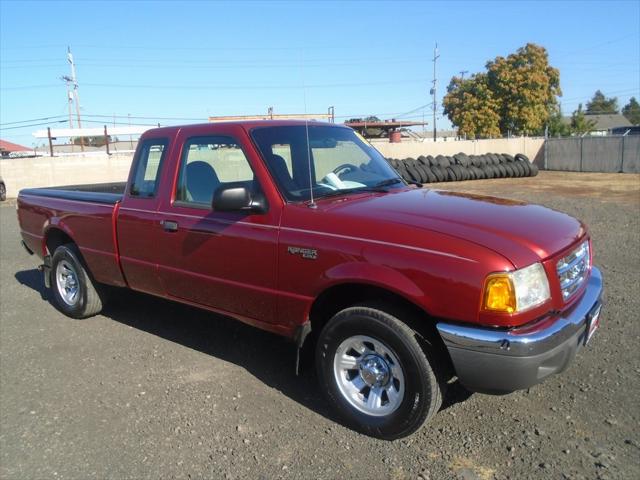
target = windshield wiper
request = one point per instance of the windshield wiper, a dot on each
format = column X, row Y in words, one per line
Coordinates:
column 378, row 188
column 386, row 183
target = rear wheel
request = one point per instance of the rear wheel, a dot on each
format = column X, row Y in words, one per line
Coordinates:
column 375, row 373
column 76, row 294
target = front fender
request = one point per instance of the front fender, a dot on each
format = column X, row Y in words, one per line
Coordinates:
column 380, row 276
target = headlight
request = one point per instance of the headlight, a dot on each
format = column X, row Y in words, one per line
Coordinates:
column 517, row 291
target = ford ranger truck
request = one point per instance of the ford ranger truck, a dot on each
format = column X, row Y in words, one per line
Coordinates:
column 304, row 230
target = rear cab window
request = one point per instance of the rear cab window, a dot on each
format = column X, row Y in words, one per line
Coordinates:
column 146, row 174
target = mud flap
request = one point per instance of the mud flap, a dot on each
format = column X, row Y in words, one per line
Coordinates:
column 45, row 268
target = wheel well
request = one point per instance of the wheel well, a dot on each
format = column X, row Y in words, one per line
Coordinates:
column 342, row 296
column 55, row 238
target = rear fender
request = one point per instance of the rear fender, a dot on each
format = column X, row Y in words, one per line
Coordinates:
column 55, row 223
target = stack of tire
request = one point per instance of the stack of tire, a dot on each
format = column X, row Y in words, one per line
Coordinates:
column 428, row 169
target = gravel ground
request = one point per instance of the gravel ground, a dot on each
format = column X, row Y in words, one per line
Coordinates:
column 152, row 389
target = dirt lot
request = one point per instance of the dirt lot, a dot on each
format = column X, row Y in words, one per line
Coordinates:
column 152, row 389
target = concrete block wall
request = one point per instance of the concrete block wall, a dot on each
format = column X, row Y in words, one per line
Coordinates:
column 99, row 167
column 19, row 173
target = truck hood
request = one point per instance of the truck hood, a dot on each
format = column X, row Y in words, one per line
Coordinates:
column 523, row 233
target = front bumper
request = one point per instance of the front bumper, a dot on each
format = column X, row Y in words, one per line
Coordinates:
column 501, row 361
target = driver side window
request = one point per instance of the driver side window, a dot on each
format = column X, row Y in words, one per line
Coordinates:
column 208, row 163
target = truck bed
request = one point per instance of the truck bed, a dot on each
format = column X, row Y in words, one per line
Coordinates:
column 85, row 213
column 108, row 193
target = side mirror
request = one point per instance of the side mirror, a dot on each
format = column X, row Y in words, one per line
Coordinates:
column 237, row 199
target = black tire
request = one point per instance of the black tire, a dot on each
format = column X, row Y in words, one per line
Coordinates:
column 502, row 170
column 3, row 192
column 451, row 174
column 509, row 169
column 426, row 169
column 422, row 396
column 527, row 168
column 479, row 173
column 459, row 172
column 89, row 298
column 522, row 157
column 462, row 159
column 435, row 170
column 442, row 161
column 534, row 169
column 471, row 173
column 420, row 169
column 414, row 175
column 521, row 168
column 431, row 177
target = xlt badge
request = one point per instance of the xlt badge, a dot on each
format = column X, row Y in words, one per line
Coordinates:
column 308, row 253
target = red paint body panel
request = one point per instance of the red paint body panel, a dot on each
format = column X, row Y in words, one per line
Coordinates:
column 434, row 248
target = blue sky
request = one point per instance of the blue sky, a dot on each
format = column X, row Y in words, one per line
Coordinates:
column 189, row 60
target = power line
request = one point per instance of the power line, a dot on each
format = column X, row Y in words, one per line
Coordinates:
column 31, row 120
column 33, row 125
column 228, row 87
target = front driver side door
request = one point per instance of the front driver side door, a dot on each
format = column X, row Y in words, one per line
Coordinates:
column 222, row 260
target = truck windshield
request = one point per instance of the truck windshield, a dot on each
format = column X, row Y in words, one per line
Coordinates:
column 341, row 163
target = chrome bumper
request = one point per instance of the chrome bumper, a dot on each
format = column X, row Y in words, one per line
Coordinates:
column 501, row 361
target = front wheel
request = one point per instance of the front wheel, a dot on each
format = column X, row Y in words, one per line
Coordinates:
column 375, row 373
column 76, row 294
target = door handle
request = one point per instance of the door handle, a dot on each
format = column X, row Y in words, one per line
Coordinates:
column 169, row 226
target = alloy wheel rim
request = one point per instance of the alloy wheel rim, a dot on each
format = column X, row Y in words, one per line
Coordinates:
column 369, row 375
column 67, row 283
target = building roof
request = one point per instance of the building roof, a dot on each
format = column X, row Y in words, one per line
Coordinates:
column 606, row 121
column 12, row 147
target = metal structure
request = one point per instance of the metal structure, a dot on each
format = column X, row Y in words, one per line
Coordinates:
column 52, row 134
column 329, row 116
column 388, row 128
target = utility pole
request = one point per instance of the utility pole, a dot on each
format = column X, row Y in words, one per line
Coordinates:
column 433, row 89
column 68, row 81
column 463, row 73
column 74, row 81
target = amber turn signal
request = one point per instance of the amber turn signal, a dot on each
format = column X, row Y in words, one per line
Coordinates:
column 499, row 294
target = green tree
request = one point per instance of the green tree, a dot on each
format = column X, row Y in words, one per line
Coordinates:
column 580, row 124
column 557, row 125
column 600, row 104
column 631, row 111
column 517, row 94
column 527, row 88
column 472, row 108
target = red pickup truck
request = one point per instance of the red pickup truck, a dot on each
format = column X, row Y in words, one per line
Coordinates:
column 303, row 229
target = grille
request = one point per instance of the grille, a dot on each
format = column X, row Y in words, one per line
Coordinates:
column 573, row 270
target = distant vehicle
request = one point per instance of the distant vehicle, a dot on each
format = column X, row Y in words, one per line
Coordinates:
column 306, row 231
column 3, row 190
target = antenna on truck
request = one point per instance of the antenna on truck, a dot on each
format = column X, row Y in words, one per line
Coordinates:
column 311, row 203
